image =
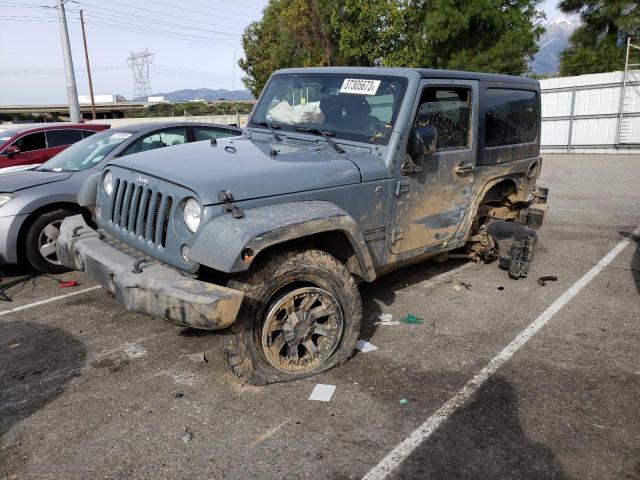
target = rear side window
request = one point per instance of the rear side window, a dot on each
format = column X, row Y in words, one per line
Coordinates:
column 33, row 141
column 88, row 133
column 58, row 138
column 201, row 133
column 511, row 117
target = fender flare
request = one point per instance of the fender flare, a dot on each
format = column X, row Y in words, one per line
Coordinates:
column 89, row 190
column 221, row 242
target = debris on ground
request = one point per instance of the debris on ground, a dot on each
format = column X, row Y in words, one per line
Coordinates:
column 179, row 395
column 460, row 285
column 520, row 255
column 70, row 283
column 188, row 435
column 412, row 320
column 199, row 357
column 322, row 392
column 403, row 401
column 542, row 281
column 365, row 346
column 386, row 319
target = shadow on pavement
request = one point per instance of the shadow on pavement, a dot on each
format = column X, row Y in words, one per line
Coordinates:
column 483, row 441
column 37, row 363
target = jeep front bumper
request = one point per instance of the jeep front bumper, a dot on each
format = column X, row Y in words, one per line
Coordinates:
column 156, row 289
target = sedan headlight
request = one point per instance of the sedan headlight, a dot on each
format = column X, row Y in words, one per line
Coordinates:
column 5, row 197
column 192, row 214
column 107, row 183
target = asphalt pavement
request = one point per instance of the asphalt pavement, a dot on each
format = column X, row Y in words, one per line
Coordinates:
column 88, row 390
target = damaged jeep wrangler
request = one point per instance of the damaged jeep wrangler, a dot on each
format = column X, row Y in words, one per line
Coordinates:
column 341, row 175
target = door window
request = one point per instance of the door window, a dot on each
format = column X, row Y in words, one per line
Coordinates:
column 163, row 138
column 448, row 109
column 59, row 138
column 202, row 133
column 88, row 133
column 33, row 141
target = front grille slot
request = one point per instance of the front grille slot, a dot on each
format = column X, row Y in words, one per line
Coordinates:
column 141, row 211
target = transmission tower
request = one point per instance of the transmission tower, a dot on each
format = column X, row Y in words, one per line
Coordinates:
column 139, row 63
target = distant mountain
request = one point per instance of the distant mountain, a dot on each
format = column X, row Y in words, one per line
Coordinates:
column 552, row 43
column 201, row 93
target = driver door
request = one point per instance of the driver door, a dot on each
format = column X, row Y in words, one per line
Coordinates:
column 433, row 199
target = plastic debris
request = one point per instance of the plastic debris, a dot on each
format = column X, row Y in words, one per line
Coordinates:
column 322, row 392
column 542, row 281
column 412, row 320
column 403, row 401
column 457, row 287
column 365, row 346
column 188, row 435
column 386, row 319
column 70, row 283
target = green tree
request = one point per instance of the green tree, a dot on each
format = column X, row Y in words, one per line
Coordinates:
column 291, row 33
column 483, row 35
column 599, row 44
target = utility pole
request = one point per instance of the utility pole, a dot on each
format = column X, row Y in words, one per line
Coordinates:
column 72, row 91
column 86, row 58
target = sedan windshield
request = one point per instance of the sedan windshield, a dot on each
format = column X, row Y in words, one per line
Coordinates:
column 362, row 108
column 85, row 153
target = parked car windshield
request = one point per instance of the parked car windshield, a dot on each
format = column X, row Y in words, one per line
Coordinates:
column 85, row 153
column 362, row 108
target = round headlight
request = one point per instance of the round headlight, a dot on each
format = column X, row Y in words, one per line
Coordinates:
column 192, row 214
column 107, row 183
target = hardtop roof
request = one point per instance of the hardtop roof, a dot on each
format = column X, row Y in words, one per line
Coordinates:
column 423, row 72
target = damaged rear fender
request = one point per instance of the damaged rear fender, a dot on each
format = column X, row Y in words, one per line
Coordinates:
column 230, row 245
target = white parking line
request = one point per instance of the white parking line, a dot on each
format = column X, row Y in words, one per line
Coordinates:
column 389, row 463
column 48, row 300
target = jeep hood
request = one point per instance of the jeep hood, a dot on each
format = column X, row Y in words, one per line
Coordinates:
column 246, row 168
column 15, row 181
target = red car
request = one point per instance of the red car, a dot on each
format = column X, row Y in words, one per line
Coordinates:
column 36, row 143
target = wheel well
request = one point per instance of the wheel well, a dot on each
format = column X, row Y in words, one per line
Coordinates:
column 335, row 243
column 499, row 192
column 36, row 213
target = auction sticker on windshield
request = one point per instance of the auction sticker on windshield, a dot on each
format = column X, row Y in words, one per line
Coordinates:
column 121, row 135
column 360, row 86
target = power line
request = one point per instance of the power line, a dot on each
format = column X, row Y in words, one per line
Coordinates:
column 157, row 21
column 170, row 14
column 104, row 18
column 203, row 12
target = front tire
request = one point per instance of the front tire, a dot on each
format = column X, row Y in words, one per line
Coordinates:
column 300, row 316
column 40, row 247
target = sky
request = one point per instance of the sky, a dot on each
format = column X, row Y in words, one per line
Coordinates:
column 194, row 43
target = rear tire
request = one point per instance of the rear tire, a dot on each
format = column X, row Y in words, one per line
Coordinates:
column 40, row 241
column 300, row 316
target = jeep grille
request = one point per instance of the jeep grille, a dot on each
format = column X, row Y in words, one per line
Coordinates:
column 142, row 211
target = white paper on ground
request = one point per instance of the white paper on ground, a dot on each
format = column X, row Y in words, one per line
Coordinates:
column 387, row 323
column 385, row 317
column 322, row 392
column 365, row 346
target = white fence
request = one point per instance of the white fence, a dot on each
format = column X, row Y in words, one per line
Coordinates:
column 589, row 114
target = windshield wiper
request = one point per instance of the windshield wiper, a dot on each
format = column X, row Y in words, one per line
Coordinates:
column 271, row 127
column 326, row 134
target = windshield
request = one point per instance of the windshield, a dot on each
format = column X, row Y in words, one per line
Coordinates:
column 362, row 108
column 85, row 153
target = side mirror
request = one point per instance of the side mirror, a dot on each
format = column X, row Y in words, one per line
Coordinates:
column 422, row 142
column 11, row 151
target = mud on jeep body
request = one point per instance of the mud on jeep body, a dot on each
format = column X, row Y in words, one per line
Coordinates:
column 342, row 174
